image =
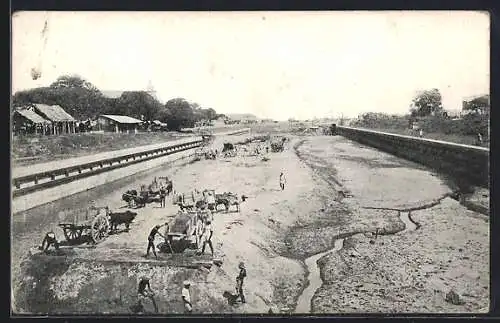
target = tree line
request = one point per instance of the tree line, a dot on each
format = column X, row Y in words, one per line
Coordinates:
column 426, row 108
column 84, row 101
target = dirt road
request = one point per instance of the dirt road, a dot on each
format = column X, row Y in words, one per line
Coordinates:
column 332, row 188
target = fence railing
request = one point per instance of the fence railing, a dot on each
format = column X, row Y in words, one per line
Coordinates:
column 40, row 180
column 52, row 176
column 464, row 163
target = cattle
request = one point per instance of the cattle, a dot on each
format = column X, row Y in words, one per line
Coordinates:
column 117, row 218
column 129, row 195
column 132, row 197
column 228, row 200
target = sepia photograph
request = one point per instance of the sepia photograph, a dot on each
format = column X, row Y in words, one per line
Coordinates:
column 250, row 162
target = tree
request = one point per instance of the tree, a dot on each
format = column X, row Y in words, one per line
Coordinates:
column 136, row 104
column 79, row 98
column 427, row 102
column 73, row 81
column 178, row 113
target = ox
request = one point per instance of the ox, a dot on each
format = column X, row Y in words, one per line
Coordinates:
column 117, row 218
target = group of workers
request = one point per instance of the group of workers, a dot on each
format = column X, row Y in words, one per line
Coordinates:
column 145, row 292
column 203, row 230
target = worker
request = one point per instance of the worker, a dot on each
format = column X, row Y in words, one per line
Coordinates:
column 421, row 133
column 151, row 240
column 186, row 297
column 207, row 236
column 479, row 141
column 241, row 276
column 144, row 292
column 211, row 201
column 168, row 238
column 163, row 195
column 49, row 240
column 282, row 181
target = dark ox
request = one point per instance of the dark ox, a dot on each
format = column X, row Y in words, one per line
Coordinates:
column 117, row 218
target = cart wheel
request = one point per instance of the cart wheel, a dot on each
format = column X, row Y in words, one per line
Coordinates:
column 72, row 234
column 99, row 228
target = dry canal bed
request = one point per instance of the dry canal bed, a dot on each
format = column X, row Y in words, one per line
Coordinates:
column 335, row 190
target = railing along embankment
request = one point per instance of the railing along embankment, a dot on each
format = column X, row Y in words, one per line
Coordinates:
column 467, row 165
column 42, row 176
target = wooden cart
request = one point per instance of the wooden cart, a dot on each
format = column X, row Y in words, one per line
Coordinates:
column 92, row 222
column 185, row 233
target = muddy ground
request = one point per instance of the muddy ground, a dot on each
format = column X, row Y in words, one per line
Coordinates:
column 334, row 188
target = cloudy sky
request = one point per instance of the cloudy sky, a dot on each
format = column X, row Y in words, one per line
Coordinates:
column 272, row 64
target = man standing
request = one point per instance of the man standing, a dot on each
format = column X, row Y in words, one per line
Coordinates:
column 163, row 195
column 239, row 279
column 151, row 240
column 479, row 140
column 282, row 181
column 168, row 239
column 186, row 298
column 207, row 236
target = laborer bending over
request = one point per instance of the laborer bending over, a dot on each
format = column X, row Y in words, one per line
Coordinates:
column 151, row 240
column 49, row 240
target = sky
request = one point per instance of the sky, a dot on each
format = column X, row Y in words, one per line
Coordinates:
column 275, row 65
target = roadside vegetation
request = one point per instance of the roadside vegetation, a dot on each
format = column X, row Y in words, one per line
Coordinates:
column 427, row 113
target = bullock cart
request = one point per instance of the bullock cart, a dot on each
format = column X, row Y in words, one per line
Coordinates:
column 92, row 222
column 185, row 233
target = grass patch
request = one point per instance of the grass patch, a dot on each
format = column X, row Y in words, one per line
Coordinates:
column 31, row 150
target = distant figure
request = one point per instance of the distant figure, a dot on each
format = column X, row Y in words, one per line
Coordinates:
column 421, row 133
column 151, row 240
column 239, row 279
column 186, row 297
column 282, row 181
column 479, row 140
column 49, row 240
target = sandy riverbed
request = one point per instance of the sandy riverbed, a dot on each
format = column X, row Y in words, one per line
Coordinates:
column 274, row 232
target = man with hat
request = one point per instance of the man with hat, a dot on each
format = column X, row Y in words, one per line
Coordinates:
column 239, row 279
column 186, row 297
column 151, row 240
